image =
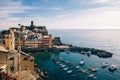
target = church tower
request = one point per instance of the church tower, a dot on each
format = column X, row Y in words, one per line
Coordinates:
column 10, row 40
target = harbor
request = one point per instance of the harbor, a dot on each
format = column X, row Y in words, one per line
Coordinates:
column 59, row 65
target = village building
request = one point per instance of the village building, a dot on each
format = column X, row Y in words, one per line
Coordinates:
column 13, row 61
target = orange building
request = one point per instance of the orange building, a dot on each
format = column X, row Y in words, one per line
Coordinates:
column 46, row 42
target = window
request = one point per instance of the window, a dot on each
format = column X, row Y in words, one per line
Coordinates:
column 11, row 59
column 31, row 60
column 25, row 59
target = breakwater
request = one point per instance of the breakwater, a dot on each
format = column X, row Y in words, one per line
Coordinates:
column 89, row 51
column 82, row 50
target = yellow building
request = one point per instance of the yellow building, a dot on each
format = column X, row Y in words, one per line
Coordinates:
column 10, row 40
column 22, row 28
column 15, row 60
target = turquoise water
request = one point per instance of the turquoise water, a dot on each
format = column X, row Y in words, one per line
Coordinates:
column 102, row 39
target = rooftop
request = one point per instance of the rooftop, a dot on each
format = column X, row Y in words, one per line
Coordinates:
column 2, row 49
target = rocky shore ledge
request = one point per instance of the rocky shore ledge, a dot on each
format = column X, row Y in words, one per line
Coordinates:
column 41, row 74
column 89, row 51
column 67, row 48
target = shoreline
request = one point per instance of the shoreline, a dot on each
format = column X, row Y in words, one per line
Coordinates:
column 83, row 50
column 41, row 74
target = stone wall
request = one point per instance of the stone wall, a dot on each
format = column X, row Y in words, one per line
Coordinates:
column 27, row 62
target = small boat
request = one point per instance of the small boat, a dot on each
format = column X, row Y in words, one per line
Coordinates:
column 84, row 72
column 94, row 69
column 94, row 77
column 112, row 68
column 82, row 52
column 70, row 63
column 82, row 63
column 57, row 62
column 62, row 66
column 80, row 70
column 69, row 71
column 77, row 67
column 89, row 53
column 65, row 68
column 90, row 68
column 91, row 75
column 104, row 65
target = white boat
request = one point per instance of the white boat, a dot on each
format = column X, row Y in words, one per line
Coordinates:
column 94, row 69
column 84, row 72
column 104, row 65
column 57, row 62
column 61, row 64
column 91, row 75
column 65, row 68
column 112, row 68
column 69, row 71
column 77, row 67
column 94, row 77
column 82, row 63
column 80, row 70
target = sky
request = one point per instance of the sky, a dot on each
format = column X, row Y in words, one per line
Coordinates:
column 61, row 14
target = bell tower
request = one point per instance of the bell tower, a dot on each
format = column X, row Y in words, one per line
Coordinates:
column 10, row 40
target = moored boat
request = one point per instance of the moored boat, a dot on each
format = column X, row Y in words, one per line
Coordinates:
column 84, row 72
column 80, row 70
column 112, row 68
column 77, row 67
column 62, row 66
column 93, row 69
column 65, row 68
column 82, row 63
column 57, row 62
column 91, row 75
column 69, row 71
column 104, row 65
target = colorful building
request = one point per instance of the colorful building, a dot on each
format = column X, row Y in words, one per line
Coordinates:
column 12, row 60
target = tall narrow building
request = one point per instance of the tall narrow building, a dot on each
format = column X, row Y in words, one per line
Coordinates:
column 10, row 40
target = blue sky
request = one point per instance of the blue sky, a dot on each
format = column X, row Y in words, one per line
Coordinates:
column 61, row 14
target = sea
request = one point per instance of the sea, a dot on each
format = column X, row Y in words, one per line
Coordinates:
column 108, row 40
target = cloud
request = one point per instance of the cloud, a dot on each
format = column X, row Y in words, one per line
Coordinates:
column 101, row 1
column 98, row 2
column 56, row 8
column 10, row 7
column 105, row 16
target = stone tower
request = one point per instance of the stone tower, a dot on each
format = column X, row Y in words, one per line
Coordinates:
column 10, row 40
column 32, row 23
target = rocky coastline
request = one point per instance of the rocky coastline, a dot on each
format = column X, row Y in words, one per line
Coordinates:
column 41, row 74
column 89, row 51
column 82, row 50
